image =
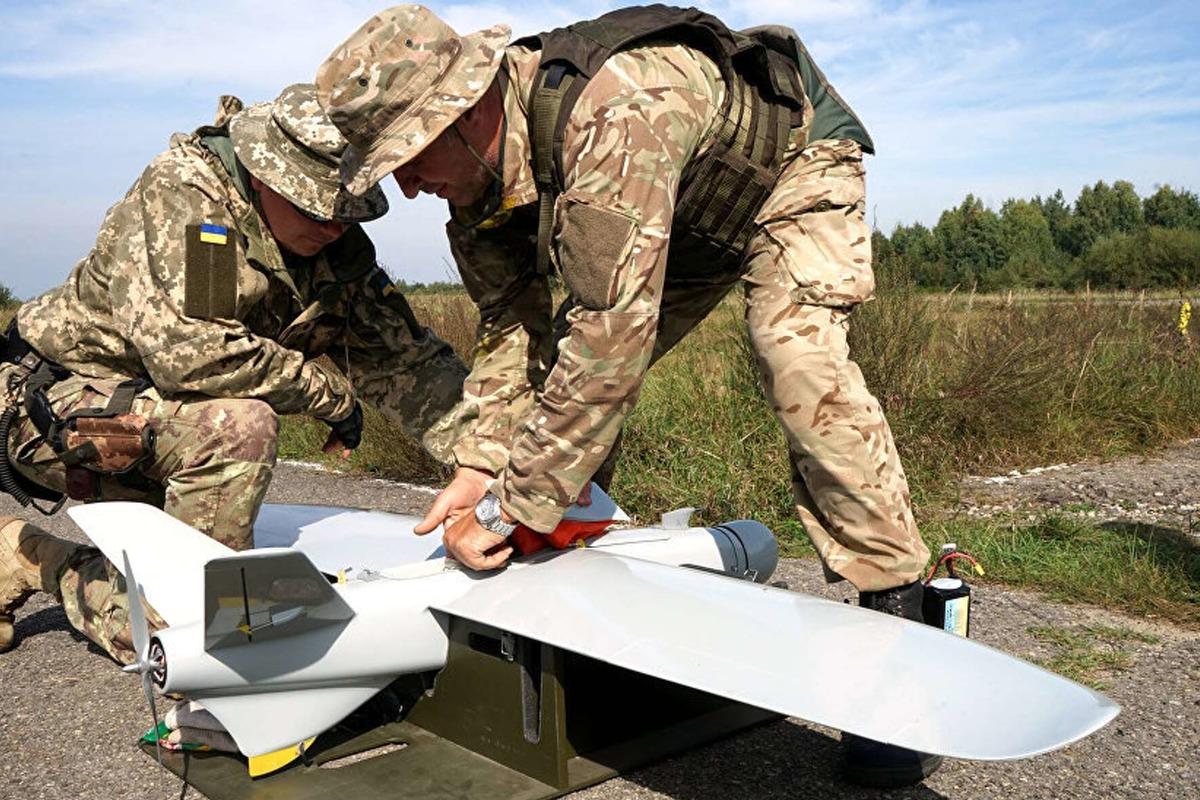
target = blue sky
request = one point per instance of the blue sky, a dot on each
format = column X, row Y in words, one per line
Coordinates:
column 996, row 98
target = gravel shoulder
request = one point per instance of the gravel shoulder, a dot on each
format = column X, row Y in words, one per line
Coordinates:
column 70, row 716
column 1161, row 488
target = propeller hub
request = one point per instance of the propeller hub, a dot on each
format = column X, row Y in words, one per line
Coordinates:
column 157, row 663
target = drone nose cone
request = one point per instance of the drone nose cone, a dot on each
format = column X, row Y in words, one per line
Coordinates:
column 759, row 545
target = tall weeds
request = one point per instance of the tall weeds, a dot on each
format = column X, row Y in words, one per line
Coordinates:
column 967, row 385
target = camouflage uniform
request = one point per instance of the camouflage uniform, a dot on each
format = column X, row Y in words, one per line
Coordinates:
column 283, row 335
column 544, row 415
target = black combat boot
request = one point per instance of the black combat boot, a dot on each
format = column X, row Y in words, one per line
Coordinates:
column 885, row 766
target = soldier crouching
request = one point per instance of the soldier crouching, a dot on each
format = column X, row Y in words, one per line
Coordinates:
column 232, row 284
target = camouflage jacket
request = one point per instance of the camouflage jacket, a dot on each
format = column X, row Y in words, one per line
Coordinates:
column 641, row 120
column 130, row 308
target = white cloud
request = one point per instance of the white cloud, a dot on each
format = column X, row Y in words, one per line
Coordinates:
column 256, row 45
column 997, row 98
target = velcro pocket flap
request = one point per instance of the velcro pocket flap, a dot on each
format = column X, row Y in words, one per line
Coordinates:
column 210, row 272
column 592, row 245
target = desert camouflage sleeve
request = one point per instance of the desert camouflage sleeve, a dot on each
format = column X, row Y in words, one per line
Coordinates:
column 218, row 357
column 631, row 134
column 513, row 341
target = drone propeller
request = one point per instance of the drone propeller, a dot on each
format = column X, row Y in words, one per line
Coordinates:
column 145, row 665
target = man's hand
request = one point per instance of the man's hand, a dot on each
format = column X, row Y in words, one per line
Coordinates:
column 456, row 500
column 345, row 434
column 473, row 546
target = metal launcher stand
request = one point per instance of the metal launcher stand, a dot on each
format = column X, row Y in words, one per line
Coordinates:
column 507, row 717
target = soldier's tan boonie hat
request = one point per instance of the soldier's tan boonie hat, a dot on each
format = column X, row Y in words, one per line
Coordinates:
column 398, row 82
column 291, row 146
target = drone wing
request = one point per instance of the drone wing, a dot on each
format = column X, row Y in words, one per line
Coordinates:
column 169, row 555
column 879, row 676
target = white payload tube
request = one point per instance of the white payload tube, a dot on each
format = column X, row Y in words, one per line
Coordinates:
column 393, row 632
column 742, row 548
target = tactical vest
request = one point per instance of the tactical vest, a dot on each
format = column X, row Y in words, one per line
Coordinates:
column 766, row 72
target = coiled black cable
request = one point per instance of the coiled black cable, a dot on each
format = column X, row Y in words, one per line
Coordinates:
column 8, row 481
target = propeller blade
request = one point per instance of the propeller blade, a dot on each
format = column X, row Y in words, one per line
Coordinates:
column 137, row 616
column 141, row 644
column 148, row 688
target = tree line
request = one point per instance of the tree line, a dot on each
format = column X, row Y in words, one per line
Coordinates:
column 1109, row 238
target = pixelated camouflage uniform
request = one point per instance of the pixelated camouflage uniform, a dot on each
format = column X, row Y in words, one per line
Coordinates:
column 299, row 336
column 543, row 415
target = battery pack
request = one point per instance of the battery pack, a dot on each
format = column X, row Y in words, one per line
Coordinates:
column 947, row 605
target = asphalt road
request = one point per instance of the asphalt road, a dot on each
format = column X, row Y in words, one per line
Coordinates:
column 69, row 716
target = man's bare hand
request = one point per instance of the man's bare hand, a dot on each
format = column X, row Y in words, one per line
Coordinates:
column 585, row 495
column 334, row 446
column 473, row 546
column 456, row 500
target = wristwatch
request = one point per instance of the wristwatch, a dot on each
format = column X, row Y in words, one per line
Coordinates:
column 487, row 514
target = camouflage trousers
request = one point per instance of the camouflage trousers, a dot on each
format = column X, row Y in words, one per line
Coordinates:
column 806, row 269
column 850, row 490
column 94, row 598
column 211, row 466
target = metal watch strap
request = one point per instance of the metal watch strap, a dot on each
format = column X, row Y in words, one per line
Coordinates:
column 491, row 520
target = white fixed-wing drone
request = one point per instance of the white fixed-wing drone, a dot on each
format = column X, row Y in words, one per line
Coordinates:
column 279, row 653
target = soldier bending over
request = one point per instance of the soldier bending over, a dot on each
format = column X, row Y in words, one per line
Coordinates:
column 655, row 159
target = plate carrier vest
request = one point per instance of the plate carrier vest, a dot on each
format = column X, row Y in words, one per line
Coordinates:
column 766, row 71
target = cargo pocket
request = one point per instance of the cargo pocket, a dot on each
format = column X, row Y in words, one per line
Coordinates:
column 815, row 221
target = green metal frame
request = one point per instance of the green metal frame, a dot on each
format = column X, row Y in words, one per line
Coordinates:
column 507, row 717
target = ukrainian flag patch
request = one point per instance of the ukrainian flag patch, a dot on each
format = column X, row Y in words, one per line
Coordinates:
column 383, row 284
column 214, row 234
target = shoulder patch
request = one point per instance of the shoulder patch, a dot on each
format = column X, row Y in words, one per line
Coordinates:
column 214, row 234
column 381, row 283
column 393, row 298
column 210, row 273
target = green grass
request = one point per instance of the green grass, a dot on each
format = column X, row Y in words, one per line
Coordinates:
column 385, row 451
column 1088, row 653
column 1142, row 569
column 967, row 387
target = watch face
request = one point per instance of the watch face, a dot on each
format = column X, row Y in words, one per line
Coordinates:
column 487, row 514
column 488, row 510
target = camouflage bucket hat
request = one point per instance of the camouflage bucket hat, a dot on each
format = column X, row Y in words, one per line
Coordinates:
column 291, row 146
column 398, row 82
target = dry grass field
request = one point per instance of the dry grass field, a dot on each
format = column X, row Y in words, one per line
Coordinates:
column 971, row 384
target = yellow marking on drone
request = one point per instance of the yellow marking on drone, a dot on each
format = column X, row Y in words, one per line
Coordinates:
column 272, row 762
